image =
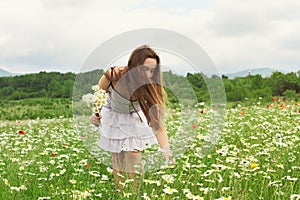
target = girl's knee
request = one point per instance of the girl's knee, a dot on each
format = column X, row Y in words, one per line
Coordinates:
column 134, row 154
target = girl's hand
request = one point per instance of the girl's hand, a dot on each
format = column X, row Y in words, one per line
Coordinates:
column 167, row 155
column 95, row 120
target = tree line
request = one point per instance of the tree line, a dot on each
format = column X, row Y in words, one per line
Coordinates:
column 71, row 85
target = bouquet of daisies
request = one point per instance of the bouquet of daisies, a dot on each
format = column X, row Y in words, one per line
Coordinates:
column 97, row 99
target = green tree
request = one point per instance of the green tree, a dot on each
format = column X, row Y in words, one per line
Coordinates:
column 6, row 91
column 290, row 94
column 280, row 82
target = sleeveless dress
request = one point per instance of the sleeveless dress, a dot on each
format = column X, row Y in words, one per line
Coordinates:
column 121, row 128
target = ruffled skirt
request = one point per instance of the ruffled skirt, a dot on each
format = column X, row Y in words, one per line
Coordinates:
column 124, row 131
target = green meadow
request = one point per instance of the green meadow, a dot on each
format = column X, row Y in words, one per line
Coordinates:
column 255, row 157
column 33, row 108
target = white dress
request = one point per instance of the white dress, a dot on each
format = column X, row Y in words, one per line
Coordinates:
column 121, row 128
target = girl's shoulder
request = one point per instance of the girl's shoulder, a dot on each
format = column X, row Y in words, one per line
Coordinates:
column 115, row 73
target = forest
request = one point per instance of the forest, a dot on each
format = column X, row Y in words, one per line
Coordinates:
column 51, row 94
column 60, row 85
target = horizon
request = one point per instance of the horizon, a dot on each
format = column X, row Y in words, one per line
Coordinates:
column 78, row 71
column 220, row 73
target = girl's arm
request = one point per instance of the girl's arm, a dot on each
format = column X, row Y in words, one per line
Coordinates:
column 104, row 83
column 156, row 114
column 162, row 137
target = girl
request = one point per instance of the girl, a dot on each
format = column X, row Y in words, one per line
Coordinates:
column 133, row 118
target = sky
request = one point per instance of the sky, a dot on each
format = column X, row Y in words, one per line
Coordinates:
column 59, row 35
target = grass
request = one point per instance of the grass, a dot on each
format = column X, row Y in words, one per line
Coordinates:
column 255, row 157
column 35, row 108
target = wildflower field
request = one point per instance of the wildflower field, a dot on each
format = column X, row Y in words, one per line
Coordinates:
column 257, row 156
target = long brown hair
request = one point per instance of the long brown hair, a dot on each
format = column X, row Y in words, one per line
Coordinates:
column 149, row 92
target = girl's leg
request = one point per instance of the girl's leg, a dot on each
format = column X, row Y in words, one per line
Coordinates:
column 118, row 160
column 133, row 166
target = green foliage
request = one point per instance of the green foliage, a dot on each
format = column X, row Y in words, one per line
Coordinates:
column 280, row 82
column 197, row 80
column 290, row 94
column 35, row 108
column 253, row 87
column 43, row 84
column 180, row 89
column 84, row 82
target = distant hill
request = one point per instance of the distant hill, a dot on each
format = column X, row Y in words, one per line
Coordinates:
column 5, row 73
column 264, row 72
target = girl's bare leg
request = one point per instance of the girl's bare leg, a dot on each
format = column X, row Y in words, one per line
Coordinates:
column 118, row 160
column 133, row 166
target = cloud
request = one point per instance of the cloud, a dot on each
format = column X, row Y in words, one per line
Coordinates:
column 236, row 34
column 251, row 34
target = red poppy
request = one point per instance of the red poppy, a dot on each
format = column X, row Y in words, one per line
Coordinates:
column 21, row 132
column 52, row 154
column 241, row 113
column 194, row 126
column 274, row 99
column 242, row 108
column 202, row 111
column 268, row 106
column 88, row 165
column 299, row 111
